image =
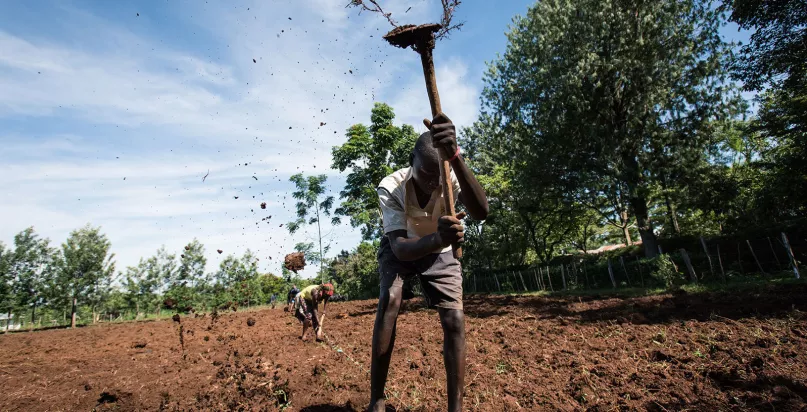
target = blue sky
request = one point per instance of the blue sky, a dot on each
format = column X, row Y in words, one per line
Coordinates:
column 111, row 118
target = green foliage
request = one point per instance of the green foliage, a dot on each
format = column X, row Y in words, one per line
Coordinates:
column 237, row 281
column 86, row 267
column 370, row 154
column 6, row 278
column 663, row 270
column 31, row 266
column 181, row 285
column 311, row 207
column 356, row 273
column 598, row 115
column 773, row 61
column 144, row 282
column 778, row 47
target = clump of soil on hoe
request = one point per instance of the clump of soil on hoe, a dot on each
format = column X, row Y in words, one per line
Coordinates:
column 294, row 261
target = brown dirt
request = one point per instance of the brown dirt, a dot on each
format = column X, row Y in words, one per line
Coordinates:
column 716, row 351
column 294, row 261
column 410, row 34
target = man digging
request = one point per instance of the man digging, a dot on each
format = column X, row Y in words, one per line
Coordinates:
column 418, row 243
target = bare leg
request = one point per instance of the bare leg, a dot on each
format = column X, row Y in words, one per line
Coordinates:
column 453, row 321
column 386, row 318
column 305, row 328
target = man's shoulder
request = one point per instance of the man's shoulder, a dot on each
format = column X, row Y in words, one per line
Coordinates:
column 394, row 179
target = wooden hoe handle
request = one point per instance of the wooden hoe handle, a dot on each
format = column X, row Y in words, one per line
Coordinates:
column 445, row 166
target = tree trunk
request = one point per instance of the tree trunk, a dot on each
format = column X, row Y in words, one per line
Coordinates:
column 670, row 208
column 623, row 218
column 73, row 313
column 8, row 320
column 645, row 227
column 33, row 313
column 638, row 201
column 321, row 258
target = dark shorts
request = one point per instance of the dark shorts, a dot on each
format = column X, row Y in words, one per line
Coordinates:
column 439, row 273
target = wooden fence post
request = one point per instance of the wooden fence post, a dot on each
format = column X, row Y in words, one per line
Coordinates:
column 585, row 273
column 522, row 282
column 793, row 262
column 748, row 242
column 624, row 269
column 549, row 276
column 535, row 276
column 639, row 265
column 740, row 259
column 691, row 270
column 778, row 263
column 563, row 275
column 706, row 250
column 720, row 260
column 611, row 273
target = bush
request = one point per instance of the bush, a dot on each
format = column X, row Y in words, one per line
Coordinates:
column 664, row 270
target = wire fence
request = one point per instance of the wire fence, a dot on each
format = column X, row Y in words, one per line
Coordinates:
column 704, row 261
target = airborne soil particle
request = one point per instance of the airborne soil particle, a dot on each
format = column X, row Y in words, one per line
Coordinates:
column 694, row 351
column 294, row 261
column 251, row 322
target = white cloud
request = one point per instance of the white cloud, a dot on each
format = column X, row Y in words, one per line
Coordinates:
column 458, row 97
column 147, row 108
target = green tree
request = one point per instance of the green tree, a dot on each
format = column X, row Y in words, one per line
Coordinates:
column 6, row 278
column 356, row 273
column 237, row 280
column 181, row 288
column 312, row 205
column 144, row 282
column 270, row 284
column 86, row 266
column 773, row 61
column 32, row 267
column 777, row 49
column 371, row 154
column 592, row 93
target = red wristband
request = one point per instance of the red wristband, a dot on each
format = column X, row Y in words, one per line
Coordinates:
column 456, row 155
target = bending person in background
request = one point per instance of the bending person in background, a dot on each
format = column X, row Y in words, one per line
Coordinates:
column 290, row 298
column 308, row 301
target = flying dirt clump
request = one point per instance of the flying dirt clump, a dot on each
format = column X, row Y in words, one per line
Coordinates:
column 263, row 205
column 294, row 261
column 251, row 322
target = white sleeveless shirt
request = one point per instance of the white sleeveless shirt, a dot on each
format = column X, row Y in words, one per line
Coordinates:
column 400, row 209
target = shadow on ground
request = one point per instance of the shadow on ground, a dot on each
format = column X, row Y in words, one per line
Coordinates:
column 773, row 301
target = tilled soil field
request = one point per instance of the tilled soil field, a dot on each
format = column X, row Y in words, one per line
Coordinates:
column 717, row 351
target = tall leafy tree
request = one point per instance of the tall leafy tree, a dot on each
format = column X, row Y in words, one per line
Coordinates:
column 32, row 265
column 312, row 206
column 369, row 155
column 144, row 283
column 774, row 61
column 356, row 272
column 181, row 287
column 6, row 278
column 237, row 280
column 592, row 92
column 86, row 265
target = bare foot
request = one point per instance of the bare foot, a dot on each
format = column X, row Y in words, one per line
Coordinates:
column 377, row 406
